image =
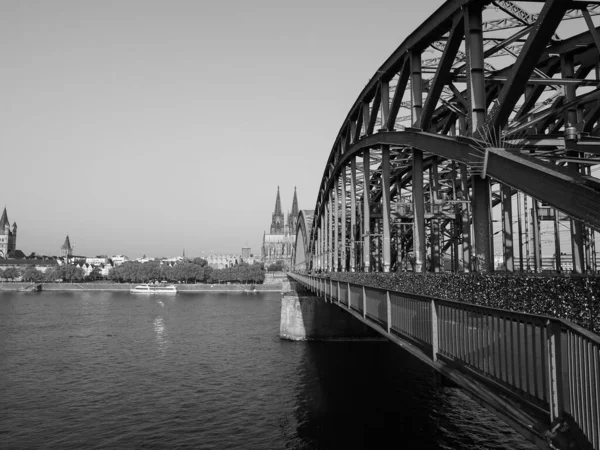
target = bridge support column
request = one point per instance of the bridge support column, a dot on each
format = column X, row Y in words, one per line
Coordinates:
column 570, row 120
column 330, row 243
column 475, row 71
column 304, row 316
column 482, row 224
column 419, row 211
column 465, row 219
column 435, row 222
column 385, row 199
column 320, row 245
column 537, row 238
column 336, row 235
column 507, row 228
column 353, row 214
column 343, row 231
column 366, row 210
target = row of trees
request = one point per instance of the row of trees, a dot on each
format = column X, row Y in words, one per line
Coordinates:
column 195, row 271
column 137, row 272
column 192, row 271
column 33, row 275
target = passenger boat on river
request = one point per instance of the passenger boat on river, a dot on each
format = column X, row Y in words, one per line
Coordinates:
column 154, row 289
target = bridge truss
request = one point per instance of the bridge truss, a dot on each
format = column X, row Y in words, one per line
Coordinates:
column 490, row 110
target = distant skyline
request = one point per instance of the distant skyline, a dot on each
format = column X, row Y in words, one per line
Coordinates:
column 146, row 127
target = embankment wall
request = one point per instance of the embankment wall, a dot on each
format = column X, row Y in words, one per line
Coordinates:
column 125, row 287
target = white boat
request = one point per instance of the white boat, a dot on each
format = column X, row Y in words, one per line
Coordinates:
column 154, row 289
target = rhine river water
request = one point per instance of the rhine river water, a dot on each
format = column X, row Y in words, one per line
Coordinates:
column 94, row 370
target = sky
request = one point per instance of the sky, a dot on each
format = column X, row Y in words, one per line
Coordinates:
column 148, row 127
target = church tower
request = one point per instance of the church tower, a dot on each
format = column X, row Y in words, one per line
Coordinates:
column 8, row 238
column 293, row 216
column 66, row 250
column 277, row 221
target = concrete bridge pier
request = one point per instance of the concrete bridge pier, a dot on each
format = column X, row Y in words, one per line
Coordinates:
column 305, row 316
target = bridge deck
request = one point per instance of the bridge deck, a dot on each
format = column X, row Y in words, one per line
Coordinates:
column 540, row 374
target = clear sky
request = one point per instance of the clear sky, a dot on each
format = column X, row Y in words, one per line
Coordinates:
column 145, row 127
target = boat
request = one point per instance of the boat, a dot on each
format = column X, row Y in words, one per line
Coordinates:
column 252, row 290
column 154, row 289
column 31, row 288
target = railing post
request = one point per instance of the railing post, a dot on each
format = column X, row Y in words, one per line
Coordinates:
column 330, row 290
column 555, row 382
column 364, row 303
column 435, row 342
column 388, row 303
column 348, row 297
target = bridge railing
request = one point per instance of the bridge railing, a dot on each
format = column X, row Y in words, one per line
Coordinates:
column 551, row 364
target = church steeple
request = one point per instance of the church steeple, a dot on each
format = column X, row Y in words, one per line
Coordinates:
column 277, row 221
column 5, row 224
column 66, row 250
column 277, row 203
column 293, row 216
column 295, row 204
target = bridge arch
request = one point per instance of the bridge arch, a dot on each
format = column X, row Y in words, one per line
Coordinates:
column 499, row 112
column 302, row 253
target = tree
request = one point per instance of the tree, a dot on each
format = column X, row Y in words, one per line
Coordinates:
column 32, row 274
column 11, row 273
column 199, row 261
column 70, row 273
column 94, row 275
column 52, row 274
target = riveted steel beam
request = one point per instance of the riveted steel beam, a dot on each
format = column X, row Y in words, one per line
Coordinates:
column 573, row 194
column 542, row 31
column 442, row 75
column 366, row 201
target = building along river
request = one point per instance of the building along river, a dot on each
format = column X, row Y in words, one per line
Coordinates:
column 113, row 370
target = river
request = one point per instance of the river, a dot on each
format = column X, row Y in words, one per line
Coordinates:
column 101, row 370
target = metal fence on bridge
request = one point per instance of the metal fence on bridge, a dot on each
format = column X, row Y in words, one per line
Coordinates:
column 550, row 364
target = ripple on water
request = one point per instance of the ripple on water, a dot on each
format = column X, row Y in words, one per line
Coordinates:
column 110, row 370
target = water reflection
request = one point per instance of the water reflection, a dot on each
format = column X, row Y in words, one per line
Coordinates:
column 366, row 394
column 358, row 394
column 161, row 335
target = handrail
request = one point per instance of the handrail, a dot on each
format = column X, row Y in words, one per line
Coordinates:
column 550, row 365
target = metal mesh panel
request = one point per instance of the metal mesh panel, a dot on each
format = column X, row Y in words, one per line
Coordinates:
column 510, row 349
column 411, row 317
column 356, row 297
column 376, row 302
column 334, row 290
column 343, row 293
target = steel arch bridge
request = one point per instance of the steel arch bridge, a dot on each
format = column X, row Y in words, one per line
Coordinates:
column 485, row 105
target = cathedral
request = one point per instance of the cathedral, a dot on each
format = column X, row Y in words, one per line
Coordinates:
column 8, row 237
column 279, row 242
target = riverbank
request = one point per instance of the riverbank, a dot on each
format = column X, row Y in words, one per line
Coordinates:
column 115, row 287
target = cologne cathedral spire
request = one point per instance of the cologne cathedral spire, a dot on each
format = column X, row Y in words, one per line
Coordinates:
column 295, row 204
column 293, row 216
column 278, row 203
column 277, row 221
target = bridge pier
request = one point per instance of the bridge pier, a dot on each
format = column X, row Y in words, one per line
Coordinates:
column 305, row 316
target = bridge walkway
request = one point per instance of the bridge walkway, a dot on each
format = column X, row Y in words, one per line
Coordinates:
column 540, row 374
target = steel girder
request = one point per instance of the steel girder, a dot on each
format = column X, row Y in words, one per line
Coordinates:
column 522, row 98
column 574, row 194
